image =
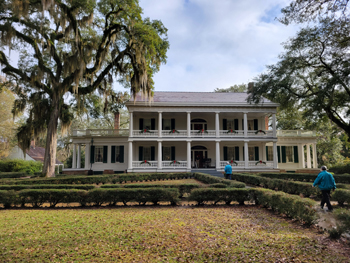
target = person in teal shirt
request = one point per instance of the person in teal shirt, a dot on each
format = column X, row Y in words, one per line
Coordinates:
column 325, row 181
column 228, row 171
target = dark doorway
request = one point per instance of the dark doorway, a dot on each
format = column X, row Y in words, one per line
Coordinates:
column 198, row 159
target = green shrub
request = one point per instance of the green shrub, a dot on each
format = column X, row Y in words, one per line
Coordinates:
column 340, row 168
column 17, row 165
column 216, row 195
column 12, row 175
column 293, row 206
column 46, row 186
column 218, row 185
column 341, row 196
column 209, row 179
column 8, row 198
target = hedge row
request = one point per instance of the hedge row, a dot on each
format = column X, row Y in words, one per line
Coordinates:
column 61, row 180
column 113, row 178
column 12, row 175
column 292, row 206
column 339, row 178
column 47, row 186
column 341, row 196
column 93, row 197
column 183, row 188
column 289, row 187
column 23, row 166
column 209, row 179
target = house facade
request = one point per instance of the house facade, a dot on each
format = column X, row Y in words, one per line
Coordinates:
column 180, row 131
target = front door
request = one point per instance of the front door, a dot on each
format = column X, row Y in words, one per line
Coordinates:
column 198, row 157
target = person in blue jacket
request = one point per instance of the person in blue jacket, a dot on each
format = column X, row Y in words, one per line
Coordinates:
column 228, row 171
column 325, row 181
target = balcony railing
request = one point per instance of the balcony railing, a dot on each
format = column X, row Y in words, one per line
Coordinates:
column 295, row 133
column 194, row 133
column 101, row 132
column 251, row 164
column 154, row 164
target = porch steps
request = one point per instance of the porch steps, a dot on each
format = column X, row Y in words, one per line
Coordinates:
column 208, row 171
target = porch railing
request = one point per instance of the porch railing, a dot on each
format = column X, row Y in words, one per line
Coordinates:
column 154, row 164
column 171, row 164
column 144, row 165
column 251, row 164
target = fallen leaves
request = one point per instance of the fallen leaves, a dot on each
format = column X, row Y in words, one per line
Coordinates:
column 225, row 234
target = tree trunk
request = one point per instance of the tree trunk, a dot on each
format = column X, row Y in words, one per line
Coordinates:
column 51, row 141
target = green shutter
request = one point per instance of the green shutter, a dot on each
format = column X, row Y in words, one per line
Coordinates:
column 279, row 153
column 224, row 124
column 141, row 124
column 113, row 154
column 173, row 153
column 92, row 154
column 236, row 124
column 153, row 153
column 225, row 153
column 121, row 154
column 153, row 124
column 267, row 153
column 105, row 154
column 255, row 124
column 284, row 159
column 296, row 157
column 237, row 153
column 242, row 124
column 141, row 153
column 172, row 124
column 162, row 124
column 256, row 153
column 162, row 153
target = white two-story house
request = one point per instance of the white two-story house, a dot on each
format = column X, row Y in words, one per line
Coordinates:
column 180, row 131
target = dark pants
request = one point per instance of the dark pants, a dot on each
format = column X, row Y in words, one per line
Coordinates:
column 325, row 199
column 228, row 176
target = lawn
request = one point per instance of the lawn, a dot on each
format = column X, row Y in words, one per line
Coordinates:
column 161, row 234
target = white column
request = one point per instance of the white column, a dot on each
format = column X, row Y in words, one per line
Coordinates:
column 79, row 156
column 274, row 132
column 275, row 157
column 308, row 156
column 87, row 156
column 159, row 155
column 74, row 161
column 189, row 165
column 159, row 124
column 217, row 125
column 246, row 155
column 217, row 163
column 264, row 152
column 314, row 154
column 188, row 124
column 130, row 157
column 245, row 121
column 131, row 124
column 302, row 156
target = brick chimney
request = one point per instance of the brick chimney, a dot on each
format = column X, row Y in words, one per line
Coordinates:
column 116, row 120
column 266, row 122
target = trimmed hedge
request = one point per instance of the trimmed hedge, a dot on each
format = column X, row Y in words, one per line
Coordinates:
column 341, row 196
column 296, row 207
column 209, row 179
column 124, row 178
column 286, row 186
column 46, row 186
column 216, row 195
column 183, row 188
column 305, row 177
column 61, row 180
column 13, row 175
column 98, row 196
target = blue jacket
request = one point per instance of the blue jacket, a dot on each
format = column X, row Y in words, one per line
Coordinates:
column 228, row 169
column 325, row 181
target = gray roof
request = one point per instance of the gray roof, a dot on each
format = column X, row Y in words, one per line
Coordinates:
column 197, row 97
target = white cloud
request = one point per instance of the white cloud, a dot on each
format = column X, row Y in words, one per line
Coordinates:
column 216, row 44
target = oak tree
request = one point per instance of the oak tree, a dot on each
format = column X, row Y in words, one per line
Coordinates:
column 74, row 47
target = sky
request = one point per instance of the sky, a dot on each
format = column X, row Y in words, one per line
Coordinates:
column 217, row 44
